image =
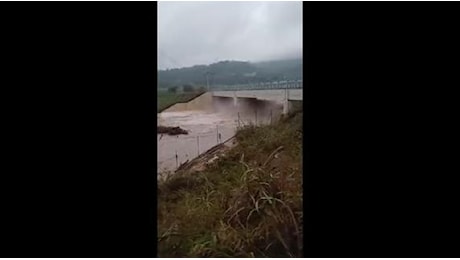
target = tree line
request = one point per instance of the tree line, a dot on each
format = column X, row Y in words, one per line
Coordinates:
column 228, row 73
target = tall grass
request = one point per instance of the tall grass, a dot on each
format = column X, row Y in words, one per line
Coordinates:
column 247, row 204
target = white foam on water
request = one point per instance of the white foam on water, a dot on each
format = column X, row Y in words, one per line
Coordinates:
column 199, row 122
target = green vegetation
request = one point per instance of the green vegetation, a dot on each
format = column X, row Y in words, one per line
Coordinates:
column 231, row 72
column 168, row 98
column 188, row 88
column 246, row 204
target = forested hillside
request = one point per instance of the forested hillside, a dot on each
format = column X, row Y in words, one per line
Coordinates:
column 231, row 72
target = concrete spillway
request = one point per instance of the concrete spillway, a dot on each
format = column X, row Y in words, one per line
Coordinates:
column 212, row 101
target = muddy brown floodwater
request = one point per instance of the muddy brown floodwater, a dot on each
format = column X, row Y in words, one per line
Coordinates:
column 204, row 130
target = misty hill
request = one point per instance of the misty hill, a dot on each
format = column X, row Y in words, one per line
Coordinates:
column 231, row 72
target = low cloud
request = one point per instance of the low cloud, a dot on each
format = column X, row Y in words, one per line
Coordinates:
column 191, row 33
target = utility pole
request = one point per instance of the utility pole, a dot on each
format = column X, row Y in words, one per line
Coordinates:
column 207, row 78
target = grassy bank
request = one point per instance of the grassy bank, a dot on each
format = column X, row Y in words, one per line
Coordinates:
column 167, row 99
column 247, row 204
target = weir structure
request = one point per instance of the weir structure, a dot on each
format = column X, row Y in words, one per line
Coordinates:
column 283, row 93
column 223, row 110
column 281, row 96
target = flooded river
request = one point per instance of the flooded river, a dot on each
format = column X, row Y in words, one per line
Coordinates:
column 205, row 130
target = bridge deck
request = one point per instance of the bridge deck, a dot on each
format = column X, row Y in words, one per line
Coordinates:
column 289, row 84
column 267, row 94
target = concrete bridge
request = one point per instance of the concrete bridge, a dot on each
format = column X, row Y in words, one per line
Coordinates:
column 280, row 92
column 287, row 84
column 243, row 96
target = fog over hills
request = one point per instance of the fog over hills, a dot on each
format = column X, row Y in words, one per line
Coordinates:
column 231, row 72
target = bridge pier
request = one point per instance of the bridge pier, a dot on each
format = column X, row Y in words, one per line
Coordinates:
column 286, row 103
column 235, row 99
column 285, row 107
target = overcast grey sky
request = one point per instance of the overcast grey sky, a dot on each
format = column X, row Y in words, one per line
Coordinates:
column 191, row 33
